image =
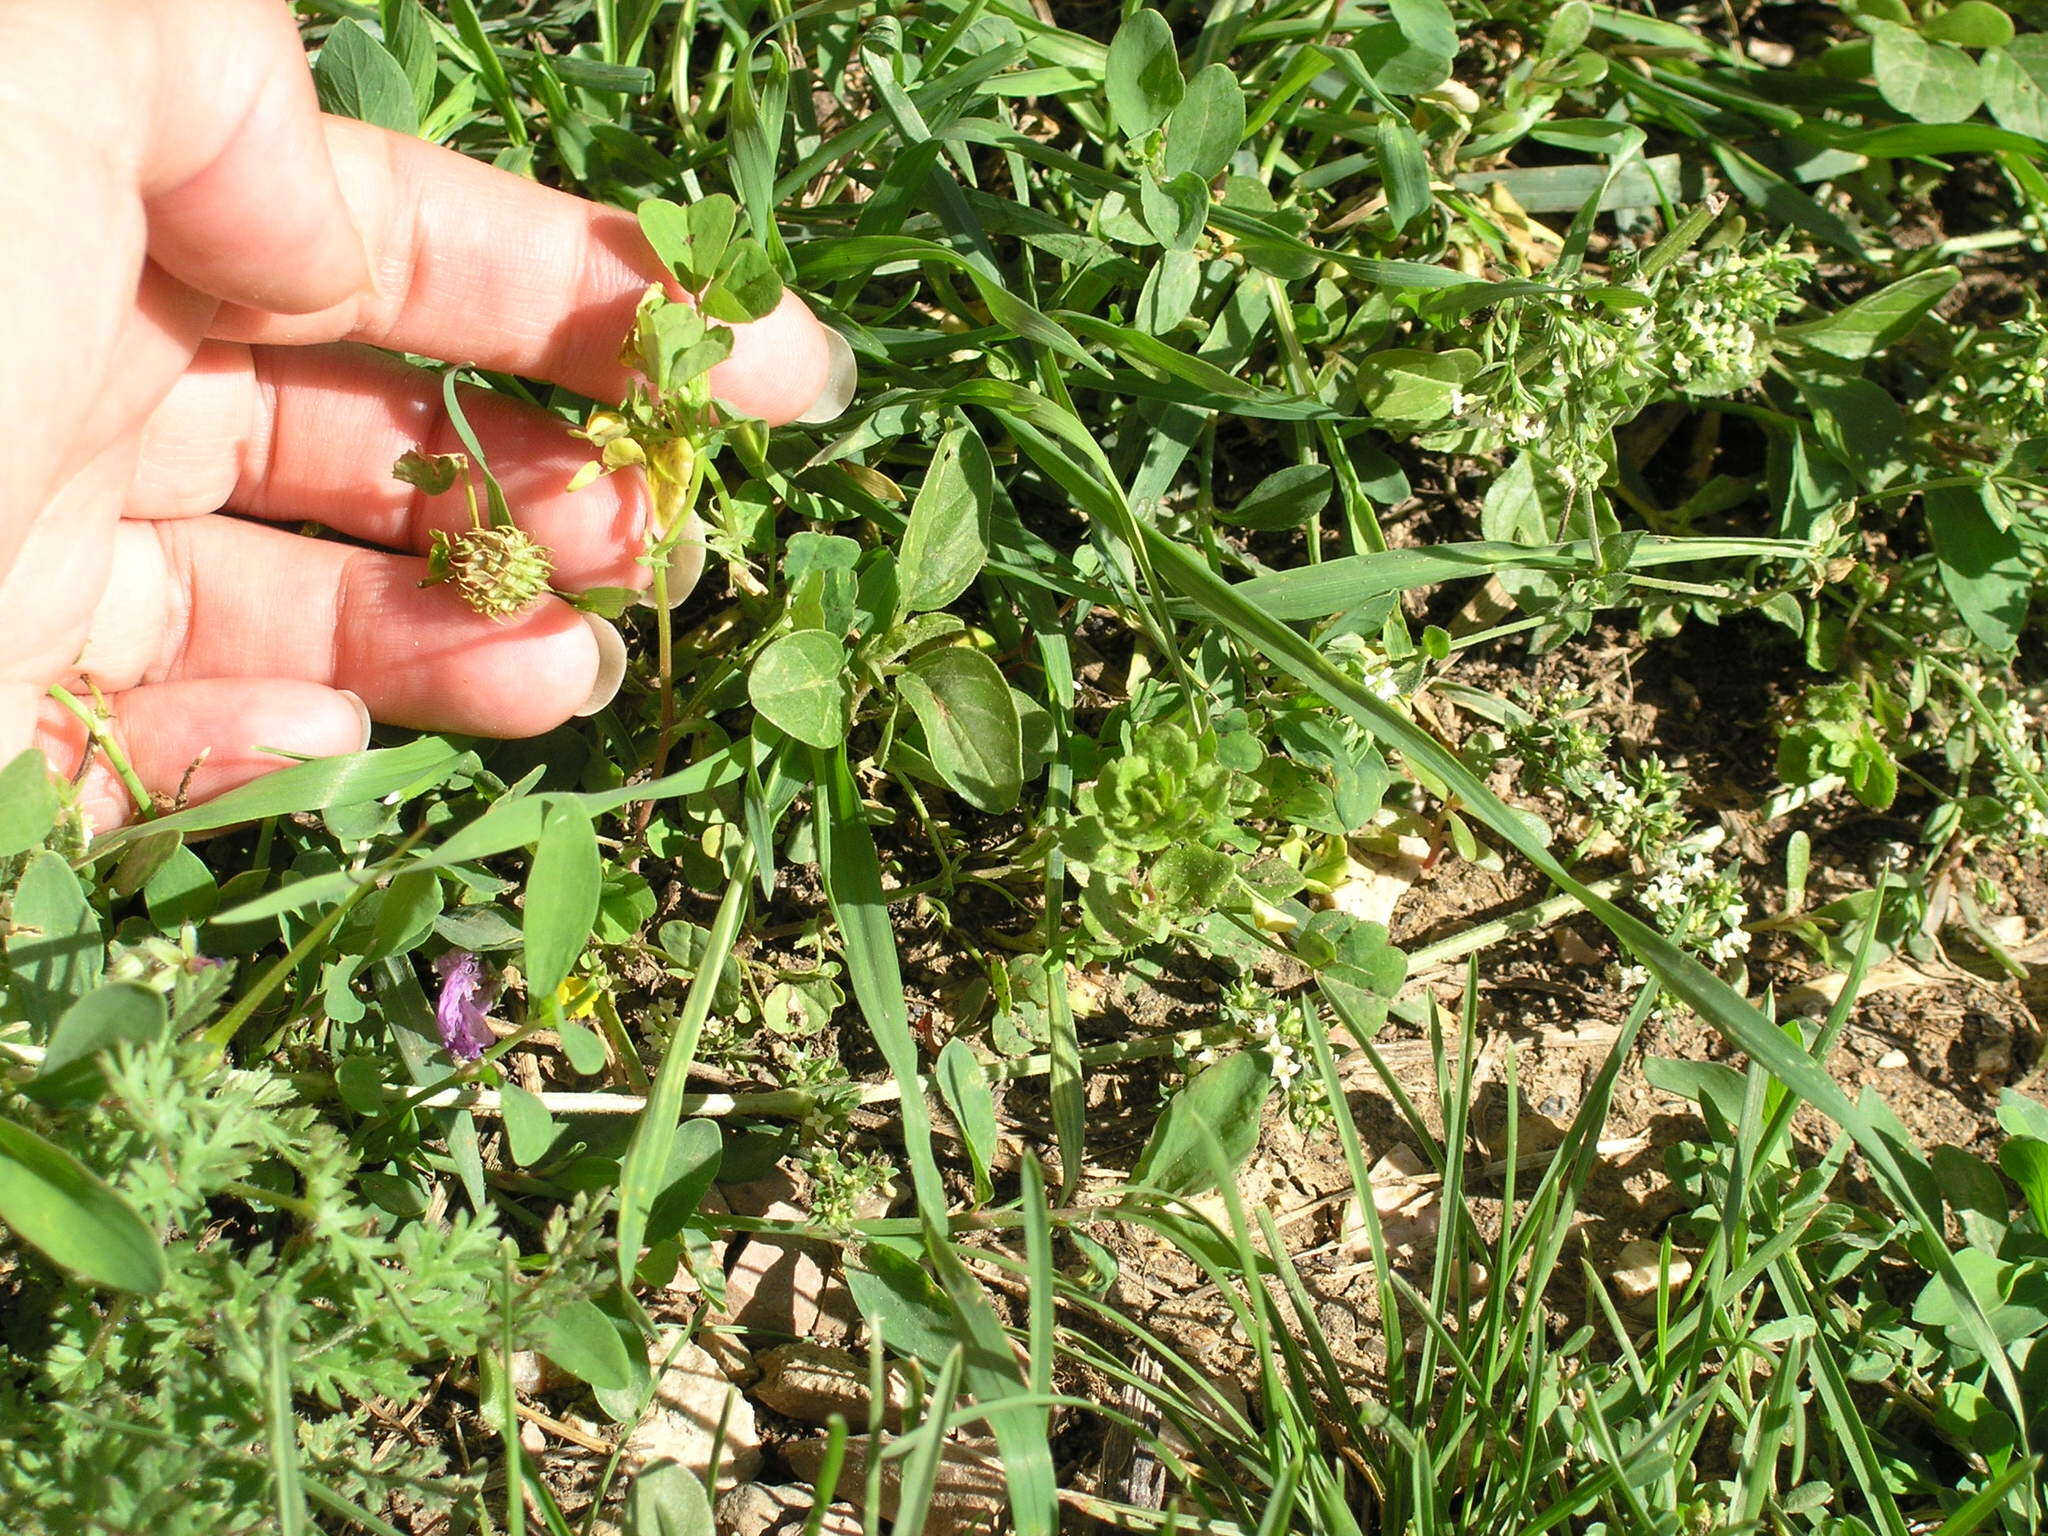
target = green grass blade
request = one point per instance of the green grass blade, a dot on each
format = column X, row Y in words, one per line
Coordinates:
column 852, row 877
column 646, row 1161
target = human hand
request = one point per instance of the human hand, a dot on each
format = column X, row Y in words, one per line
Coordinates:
column 201, row 264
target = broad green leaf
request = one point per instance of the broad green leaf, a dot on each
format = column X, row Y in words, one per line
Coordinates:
column 1430, row 26
column 1397, row 64
column 1287, row 498
column 562, row 892
column 1406, row 384
column 668, row 1499
column 2025, row 1162
column 529, row 1128
column 693, row 1162
column 1175, row 211
column 405, row 913
column 55, row 951
column 1970, row 24
column 970, row 723
column 1877, row 319
column 1982, row 564
column 181, row 891
column 1142, row 76
column 2021, row 1114
column 748, row 289
column 582, row 1341
column 28, row 803
column 690, row 241
column 2015, row 82
column 1404, row 170
column 140, row 861
column 1207, row 126
column 54, row 1203
column 409, row 38
column 357, row 77
column 1220, row 1107
column 798, row 683
column 1929, row 82
column 945, row 543
column 100, row 1020
column 964, row 1085
column 901, row 1305
column 1861, row 422
column 582, row 1046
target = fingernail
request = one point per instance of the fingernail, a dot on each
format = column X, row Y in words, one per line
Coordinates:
column 611, row 665
column 362, row 713
column 842, row 377
column 685, row 565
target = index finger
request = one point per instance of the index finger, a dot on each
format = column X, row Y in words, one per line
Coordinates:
column 475, row 265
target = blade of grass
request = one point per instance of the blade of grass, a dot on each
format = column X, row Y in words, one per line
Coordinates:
column 852, row 877
column 645, row 1164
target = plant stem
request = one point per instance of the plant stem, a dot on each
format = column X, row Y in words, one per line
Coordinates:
column 103, row 740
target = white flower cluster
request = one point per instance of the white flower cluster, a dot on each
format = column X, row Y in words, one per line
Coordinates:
column 1698, row 905
column 1368, row 666
column 1716, row 317
column 1266, row 1034
column 2021, row 750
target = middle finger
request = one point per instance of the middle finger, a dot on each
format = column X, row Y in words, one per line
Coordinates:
column 292, row 434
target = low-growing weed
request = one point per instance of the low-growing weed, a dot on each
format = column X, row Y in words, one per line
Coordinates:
column 1236, row 382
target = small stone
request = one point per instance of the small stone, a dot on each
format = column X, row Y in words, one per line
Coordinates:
column 532, row 1438
column 756, row 1509
column 1639, row 1266
column 531, row 1375
column 730, row 1353
column 1572, row 949
column 968, row 1491
column 780, row 1284
column 1407, row 1209
column 683, row 1422
column 1891, row 1061
column 1373, row 882
column 1993, row 1061
column 1393, row 1179
column 812, row 1382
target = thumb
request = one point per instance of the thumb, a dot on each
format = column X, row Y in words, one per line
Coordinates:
column 241, row 197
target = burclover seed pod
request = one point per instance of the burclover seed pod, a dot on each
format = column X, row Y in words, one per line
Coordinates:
column 499, row 571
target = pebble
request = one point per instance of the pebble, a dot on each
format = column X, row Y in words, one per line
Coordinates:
column 968, row 1491
column 1638, row 1266
column 758, row 1509
column 682, row 1423
column 1891, row 1061
column 812, row 1382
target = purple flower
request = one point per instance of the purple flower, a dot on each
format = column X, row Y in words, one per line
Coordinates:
column 466, row 996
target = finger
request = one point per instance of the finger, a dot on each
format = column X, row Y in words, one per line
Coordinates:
column 216, row 597
column 311, row 433
column 475, row 265
column 201, row 738
column 236, row 142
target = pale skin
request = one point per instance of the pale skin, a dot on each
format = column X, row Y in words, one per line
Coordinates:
column 199, row 267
